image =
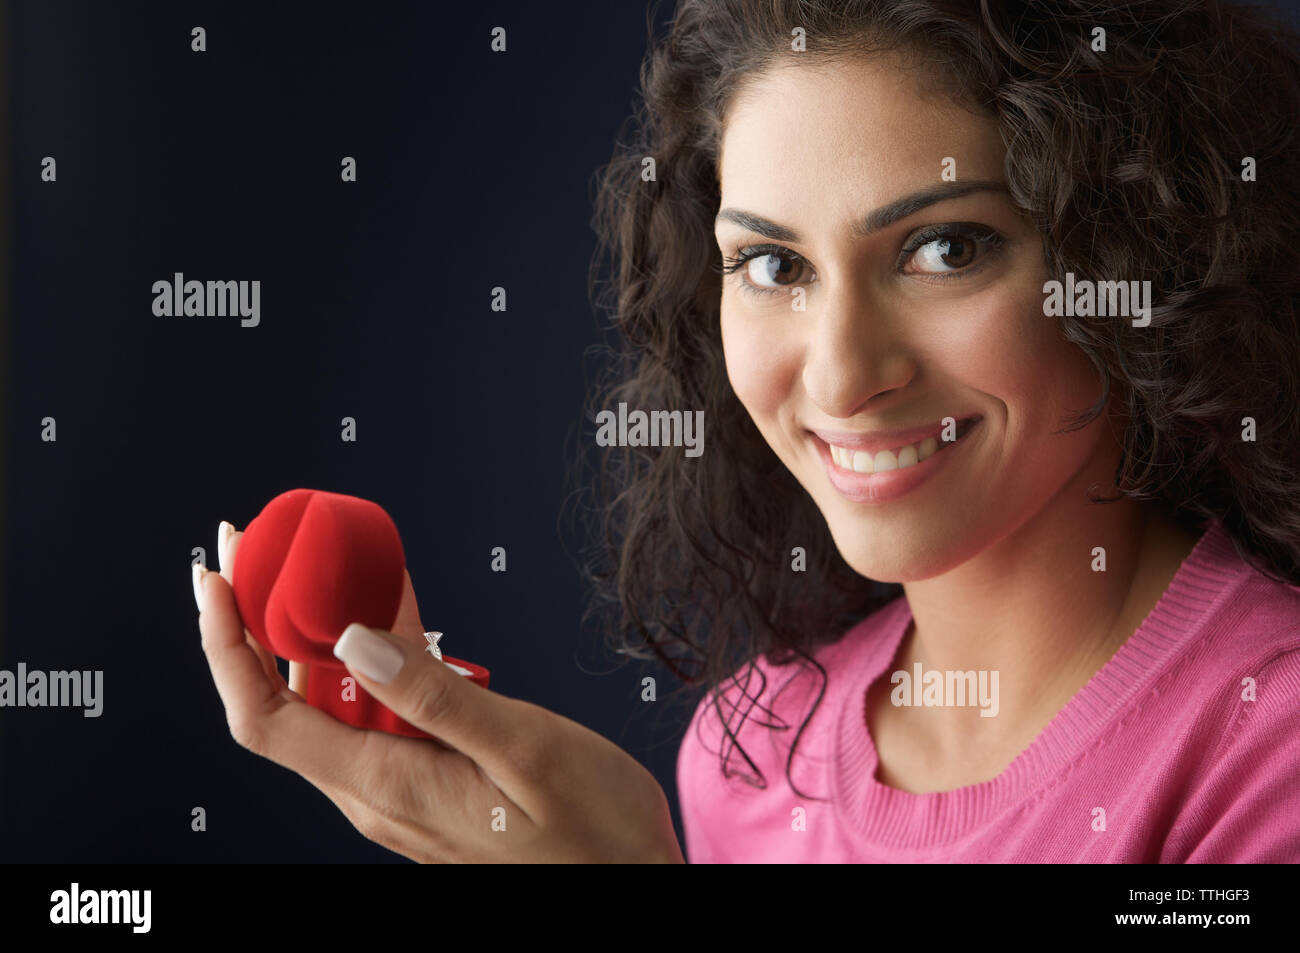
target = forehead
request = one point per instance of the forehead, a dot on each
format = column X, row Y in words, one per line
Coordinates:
column 848, row 135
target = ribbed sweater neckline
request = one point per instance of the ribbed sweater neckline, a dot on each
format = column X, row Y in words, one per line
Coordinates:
column 889, row 817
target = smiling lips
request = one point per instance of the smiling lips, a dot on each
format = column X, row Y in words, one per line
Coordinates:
column 863, row 461
column 865, row 458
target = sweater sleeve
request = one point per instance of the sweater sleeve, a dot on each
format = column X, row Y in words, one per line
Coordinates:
column 1249, row 805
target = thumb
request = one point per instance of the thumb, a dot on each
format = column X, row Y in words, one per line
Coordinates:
column 481, row 724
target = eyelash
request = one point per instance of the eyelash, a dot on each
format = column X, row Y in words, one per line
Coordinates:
column 987, row 238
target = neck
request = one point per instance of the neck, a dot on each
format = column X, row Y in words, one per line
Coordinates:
column 1033, row 608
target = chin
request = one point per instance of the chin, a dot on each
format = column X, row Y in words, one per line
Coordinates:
column 882, row 560
column 877, row 549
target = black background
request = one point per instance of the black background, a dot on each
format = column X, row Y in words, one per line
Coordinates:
column 474, row 169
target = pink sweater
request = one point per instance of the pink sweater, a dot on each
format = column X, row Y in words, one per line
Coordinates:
column 1160, row 757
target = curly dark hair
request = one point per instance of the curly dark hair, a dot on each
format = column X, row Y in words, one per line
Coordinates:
column 1129, row 162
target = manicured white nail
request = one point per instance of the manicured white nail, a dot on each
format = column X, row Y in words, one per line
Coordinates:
column 224, row 532
column 370, row 654
column 197, row 573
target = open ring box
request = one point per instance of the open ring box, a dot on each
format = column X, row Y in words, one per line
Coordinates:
column 308, row 565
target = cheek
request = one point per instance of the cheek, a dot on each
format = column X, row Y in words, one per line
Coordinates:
column 1010, row 350
column 762, row 360
column 1018, row 356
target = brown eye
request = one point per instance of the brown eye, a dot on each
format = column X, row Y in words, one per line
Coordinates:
column 950, row 250
column 773, row 271
column 946, row 252
column 768, row 269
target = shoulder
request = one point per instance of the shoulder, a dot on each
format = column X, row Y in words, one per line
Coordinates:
column 766, row 727
column 763, row 705
column 1244, row 801
column 1264, row 686
column 1257, row 625
column 1241, row 681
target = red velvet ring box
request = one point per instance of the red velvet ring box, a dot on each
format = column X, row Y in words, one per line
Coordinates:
column 308, row 565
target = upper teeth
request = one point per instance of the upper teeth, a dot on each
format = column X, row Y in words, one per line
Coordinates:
column 864, row 461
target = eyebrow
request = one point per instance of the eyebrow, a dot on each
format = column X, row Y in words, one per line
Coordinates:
column 882, row 217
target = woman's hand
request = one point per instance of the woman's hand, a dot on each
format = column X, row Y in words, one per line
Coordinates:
column 512, row 782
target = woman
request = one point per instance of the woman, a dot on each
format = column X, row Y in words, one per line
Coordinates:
column 992, row 318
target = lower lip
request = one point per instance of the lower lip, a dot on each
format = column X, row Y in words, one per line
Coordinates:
column 888, row 485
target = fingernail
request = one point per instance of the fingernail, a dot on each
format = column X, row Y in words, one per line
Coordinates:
column 224, row 532
column 369, row 654
column 197, row 572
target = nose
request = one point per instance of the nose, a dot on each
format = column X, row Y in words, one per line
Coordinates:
column 855, row 352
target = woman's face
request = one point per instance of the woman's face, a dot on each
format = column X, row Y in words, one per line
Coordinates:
column 906, row 319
